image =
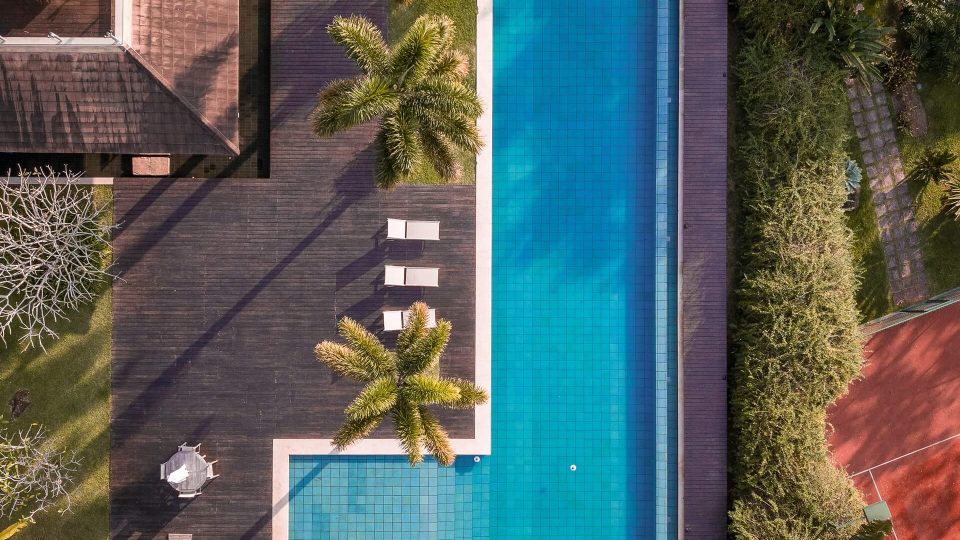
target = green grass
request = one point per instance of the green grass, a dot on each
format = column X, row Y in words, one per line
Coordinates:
column 70, row 393
column 873, row 294
column 464, row 16
column 940, row 235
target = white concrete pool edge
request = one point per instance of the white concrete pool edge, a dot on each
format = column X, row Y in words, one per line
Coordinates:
column 480, row 444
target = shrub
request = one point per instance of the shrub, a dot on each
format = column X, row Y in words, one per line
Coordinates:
column 930, row 30
column 795, row 339
column 933, row 166
column 951, row 197
column 52, row 239
column 855, row 41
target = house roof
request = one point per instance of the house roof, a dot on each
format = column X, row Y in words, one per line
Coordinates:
column 173, row 90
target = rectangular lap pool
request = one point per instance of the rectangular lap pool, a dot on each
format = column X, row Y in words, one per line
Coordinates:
column 584, row 301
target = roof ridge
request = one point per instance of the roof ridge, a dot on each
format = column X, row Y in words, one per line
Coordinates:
column 155, row 73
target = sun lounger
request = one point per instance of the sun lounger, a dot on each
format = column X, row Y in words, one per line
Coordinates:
column 404, row 229
column 408, row 276
column 396, row 320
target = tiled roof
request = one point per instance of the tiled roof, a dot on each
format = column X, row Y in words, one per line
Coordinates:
column 91, row 101
column 194, row 45
column 174, row 90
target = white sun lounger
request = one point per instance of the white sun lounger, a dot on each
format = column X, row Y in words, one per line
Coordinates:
column 395, row 320
column 407, row 276
column 404, row 229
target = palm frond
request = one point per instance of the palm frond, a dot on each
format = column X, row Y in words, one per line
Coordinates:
column 430, row 390
column 471, row 395
column 436, row 438
column 440, row 153
column 387, row 176
column 415, row 329
column 346, row 361
column 445, row 97
column 451, row 63
column 952, row 198
column 367, row 344
column 417, row 51
column 353, row 430
column 342, row 106
column 409, row 427
column 363, row 42
column 375, row 400
column 459, row 129
column 424, row 354
column 401, row 143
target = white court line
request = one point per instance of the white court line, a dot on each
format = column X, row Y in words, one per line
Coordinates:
column 880, row 497
column 908, row 454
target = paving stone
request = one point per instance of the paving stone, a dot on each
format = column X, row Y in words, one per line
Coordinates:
column 891, row 195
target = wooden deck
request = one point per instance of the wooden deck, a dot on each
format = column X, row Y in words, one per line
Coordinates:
column 227, row 285
column 703, row 270
column 66, row 18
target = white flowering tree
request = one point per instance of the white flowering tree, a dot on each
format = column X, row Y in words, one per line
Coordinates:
column 33, row 476
column 52, row 241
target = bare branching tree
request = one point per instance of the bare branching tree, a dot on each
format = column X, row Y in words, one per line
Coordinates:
column 33, row 476
column 52, row 240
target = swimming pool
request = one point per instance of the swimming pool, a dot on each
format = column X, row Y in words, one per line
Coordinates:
column 583, row 299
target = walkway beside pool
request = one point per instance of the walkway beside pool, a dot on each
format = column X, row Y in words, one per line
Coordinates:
column 703, row 289
column 227, row 285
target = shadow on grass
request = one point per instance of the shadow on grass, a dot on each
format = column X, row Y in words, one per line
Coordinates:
column 873, row 294
column 69, row 388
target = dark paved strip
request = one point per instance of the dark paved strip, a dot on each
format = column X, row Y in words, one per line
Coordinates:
column 703, row 271
column 227, row 285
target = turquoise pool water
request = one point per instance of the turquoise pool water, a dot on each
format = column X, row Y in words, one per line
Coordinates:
column 584, row 301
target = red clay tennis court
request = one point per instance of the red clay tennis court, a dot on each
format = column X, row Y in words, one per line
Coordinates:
column 898, row 430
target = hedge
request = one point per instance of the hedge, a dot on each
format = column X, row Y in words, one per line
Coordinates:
column 795, row 340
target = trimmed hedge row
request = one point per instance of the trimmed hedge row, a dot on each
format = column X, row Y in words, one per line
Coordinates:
column 795, row 338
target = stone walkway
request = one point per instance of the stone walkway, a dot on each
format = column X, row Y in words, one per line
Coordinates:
column 891, row 195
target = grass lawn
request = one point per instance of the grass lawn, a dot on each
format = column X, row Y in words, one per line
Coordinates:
column 873, row 295
column 464, row 16
column 70, row 393
column 940, row 235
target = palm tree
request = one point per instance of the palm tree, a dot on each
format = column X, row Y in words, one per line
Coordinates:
column 400, row 384
column 417, row 89
column 933, row 166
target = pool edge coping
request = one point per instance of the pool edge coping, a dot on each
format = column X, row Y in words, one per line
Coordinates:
column 480, row 444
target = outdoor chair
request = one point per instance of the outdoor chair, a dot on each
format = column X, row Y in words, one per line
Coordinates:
column 210, row 474
column 188, row 448
column 188, row 494
column 403, row 229
column 394, row 321
column 406, row 276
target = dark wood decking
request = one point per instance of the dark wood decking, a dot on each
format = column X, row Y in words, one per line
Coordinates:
column 227, row 285
column 66, row 18
column 703, row 270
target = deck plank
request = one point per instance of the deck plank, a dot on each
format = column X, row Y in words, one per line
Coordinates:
column 226, row 285
column 703, row 269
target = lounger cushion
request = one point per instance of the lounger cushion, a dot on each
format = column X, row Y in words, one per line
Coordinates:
column 393, row 275
column 423, row 230
column 396, row 228
column 423, row 277
column 392, row 321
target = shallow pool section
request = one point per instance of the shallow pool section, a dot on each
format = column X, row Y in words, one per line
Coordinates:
column 378, row 497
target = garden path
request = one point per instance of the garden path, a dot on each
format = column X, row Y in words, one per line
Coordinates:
column 891, row 194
